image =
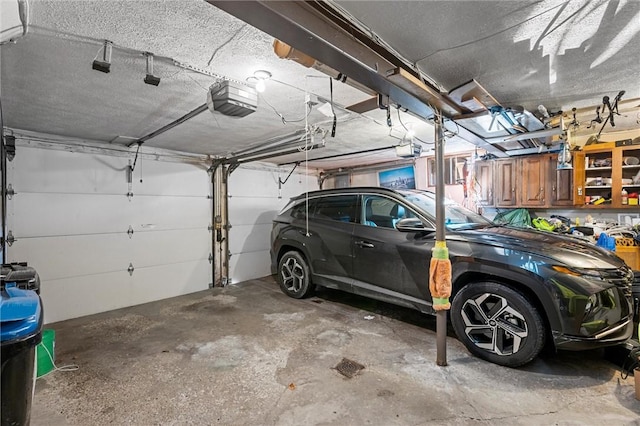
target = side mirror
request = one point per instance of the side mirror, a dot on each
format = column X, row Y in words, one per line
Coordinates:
column 412, row 224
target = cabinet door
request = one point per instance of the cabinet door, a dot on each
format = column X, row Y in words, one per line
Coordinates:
column 534, row 178
column 505, row 183
column 560, row 183
column 484, row 182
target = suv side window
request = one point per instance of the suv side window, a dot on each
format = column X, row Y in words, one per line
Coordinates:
column 337, row 207
column 383, row 212
column 299, row 211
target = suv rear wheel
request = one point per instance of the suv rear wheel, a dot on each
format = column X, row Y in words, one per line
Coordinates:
column 294, row 276
column 497, row 323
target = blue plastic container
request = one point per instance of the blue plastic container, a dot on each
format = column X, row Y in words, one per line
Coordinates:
column 20, row 333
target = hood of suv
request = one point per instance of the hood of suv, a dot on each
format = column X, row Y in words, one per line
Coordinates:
column 565, row 250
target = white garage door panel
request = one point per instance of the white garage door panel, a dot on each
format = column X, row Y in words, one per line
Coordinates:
column 255, row 200
column 85, row 255
column 77, row 256
column 79, row 296
column 167, row 247
column 160, row 177
column 258, row 183
column 36, row 215
column 70, row 218
column 248, row 210
column 291, row 190
column 250, row 265
column 170, row 212
column 162, row 282
column 250, row 238
column 62, row 171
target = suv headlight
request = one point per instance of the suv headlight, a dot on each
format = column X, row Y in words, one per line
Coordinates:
column 578, row 272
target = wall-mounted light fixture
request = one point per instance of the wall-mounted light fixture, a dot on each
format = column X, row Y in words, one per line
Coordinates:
column 150, row 78
column 105, row 64
column 258, row 78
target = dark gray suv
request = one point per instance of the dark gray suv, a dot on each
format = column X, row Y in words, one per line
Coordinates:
column 513, row 289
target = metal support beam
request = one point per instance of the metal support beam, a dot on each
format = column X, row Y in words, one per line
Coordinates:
column 305, row 29
column 174, row 123
column 3, row 195
column 441, row 315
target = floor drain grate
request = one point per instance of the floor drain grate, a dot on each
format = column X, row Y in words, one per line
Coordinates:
column 349, row 368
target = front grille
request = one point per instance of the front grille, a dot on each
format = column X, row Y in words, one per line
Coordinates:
column 622, row 278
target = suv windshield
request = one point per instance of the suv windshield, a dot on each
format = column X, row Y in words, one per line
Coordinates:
column 456, row 216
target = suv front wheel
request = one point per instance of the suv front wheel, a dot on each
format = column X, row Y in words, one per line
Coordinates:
column 497, row 323
column 294, row 276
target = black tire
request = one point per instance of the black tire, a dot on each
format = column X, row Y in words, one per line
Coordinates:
column 294, row 276
column 497, row 323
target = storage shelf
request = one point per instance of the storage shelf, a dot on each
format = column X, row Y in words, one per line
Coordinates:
column 609, row 170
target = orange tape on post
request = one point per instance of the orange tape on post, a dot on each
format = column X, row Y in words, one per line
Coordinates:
column 440, row 277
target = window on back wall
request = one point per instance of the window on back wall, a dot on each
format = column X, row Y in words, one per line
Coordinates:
column 453, row 170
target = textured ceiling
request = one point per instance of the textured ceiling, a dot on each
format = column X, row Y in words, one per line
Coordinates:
column 559, row 54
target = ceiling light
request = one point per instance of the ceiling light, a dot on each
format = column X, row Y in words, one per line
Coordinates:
column 258, row 78
column 262, row 75
column 150, row 78
column 105, row 64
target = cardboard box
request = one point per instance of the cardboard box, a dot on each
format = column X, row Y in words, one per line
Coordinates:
column 630, row 255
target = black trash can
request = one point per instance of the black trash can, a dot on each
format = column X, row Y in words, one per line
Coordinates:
column 20, row 333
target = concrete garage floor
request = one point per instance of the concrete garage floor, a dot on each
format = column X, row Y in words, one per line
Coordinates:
column 248, row 355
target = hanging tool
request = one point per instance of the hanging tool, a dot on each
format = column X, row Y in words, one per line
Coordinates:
column 613, row 110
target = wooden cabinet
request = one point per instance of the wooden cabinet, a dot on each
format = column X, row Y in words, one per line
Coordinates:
column 603, row 170
column 531, row 181
column 559, row 183
column 533, row 170
column 484, row 183
column 543, row 184
column 505, row 183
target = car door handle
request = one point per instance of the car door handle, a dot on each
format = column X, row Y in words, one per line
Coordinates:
column 364, row 244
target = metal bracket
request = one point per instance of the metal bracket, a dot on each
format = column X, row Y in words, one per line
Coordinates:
column 10, row 146
column 210, row 258
column 10, row 238
column 130, row 269
column 130, row 231
column 10, row 192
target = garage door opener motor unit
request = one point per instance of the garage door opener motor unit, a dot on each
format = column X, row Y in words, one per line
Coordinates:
column 232, row 98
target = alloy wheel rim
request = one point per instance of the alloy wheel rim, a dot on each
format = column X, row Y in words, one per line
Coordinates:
column 493, row 325
column 292, row 275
